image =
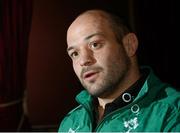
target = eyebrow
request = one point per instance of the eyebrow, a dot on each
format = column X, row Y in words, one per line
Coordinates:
column 94, row 34
column 69, row 48
column 86, row 38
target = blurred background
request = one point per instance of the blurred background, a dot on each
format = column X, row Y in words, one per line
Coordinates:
column 37, row 83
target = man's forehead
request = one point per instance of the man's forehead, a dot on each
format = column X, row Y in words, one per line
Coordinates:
column 85, row 30
column 87, row 26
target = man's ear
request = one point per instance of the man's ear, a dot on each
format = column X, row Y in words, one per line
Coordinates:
column 130, row 43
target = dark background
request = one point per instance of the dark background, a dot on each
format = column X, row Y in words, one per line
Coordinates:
column 51, row 83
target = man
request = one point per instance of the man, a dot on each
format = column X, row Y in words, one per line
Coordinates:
column 119, row 95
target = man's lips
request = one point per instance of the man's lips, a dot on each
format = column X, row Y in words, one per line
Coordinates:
column 89, row 74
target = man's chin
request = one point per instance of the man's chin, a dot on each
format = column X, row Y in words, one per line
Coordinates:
column 93, row 89
column 100, row 92
column 95, row 92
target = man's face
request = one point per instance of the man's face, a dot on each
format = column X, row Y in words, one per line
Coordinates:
column 99, row 61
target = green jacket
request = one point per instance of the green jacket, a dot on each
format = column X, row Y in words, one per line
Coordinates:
column 155, row 109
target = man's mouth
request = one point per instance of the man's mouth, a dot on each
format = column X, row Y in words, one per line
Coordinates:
column 90, row 75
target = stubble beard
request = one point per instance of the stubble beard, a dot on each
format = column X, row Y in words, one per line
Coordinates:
column 110, row 80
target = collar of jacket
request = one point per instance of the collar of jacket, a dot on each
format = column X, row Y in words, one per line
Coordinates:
column 86, row 100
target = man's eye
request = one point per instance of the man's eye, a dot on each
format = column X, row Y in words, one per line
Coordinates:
column 95, row 45
column 74, row 54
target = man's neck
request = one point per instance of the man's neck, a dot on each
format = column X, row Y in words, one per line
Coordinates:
column 109, row 98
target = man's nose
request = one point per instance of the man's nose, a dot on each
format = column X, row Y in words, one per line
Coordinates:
column 87, row 58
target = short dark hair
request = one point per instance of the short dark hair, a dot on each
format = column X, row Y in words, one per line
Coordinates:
column 118, row 25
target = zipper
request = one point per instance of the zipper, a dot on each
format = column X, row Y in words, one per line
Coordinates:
column 114, row 112
column 108, row 115
column 104, row 119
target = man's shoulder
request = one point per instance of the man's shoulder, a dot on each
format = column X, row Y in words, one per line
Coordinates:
column 79, row 112
column 74, row 115
column 75, row 111
column 172, row 93
column 169, row 95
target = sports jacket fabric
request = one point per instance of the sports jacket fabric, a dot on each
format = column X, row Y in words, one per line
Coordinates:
column 155, row 109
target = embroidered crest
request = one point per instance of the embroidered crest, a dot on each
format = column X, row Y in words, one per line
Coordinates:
column 73, row 131
column 131, row 124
